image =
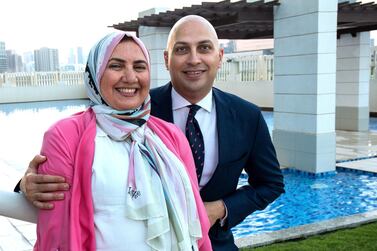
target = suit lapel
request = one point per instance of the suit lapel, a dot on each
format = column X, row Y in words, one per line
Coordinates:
column 226, row 120
column 162, row 103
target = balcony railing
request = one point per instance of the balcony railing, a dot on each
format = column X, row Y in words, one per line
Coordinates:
column 19, row 79
column 240, row 67
column 246, row 68
column 250, row 68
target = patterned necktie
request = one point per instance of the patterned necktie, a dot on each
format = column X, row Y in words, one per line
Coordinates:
column 195, row 138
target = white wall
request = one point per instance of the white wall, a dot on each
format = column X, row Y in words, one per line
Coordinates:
column 261, row 92
column 258, row 92
column 41, row 93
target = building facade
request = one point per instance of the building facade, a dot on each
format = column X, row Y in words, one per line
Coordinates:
column 14, row 61
column 80, row 56
column 3, row 58
column 28, row 60
column 46, row 59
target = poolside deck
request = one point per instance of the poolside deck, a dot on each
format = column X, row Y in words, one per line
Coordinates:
column 360, row 147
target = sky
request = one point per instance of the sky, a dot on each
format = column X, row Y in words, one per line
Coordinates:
column 26, row 25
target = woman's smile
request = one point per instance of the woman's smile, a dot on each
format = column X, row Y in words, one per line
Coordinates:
column 127, row 91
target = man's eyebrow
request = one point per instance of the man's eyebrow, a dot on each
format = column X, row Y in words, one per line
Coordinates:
column 200, row 42
column 180, row 43
column 205, row 42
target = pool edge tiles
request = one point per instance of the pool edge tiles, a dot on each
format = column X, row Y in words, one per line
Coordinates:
column 307, row 230
column 364, row 165
column 308, row 174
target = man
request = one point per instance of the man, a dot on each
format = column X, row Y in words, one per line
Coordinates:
column 233, row 133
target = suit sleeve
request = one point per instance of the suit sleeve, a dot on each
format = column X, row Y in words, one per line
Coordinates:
column 265, row 182
column 59, row 162
column 17, row 188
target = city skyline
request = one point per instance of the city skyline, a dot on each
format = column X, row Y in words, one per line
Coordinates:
column 42, row 59
column 68, row 24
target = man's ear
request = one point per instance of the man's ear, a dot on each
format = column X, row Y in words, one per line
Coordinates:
column 221, row 55
column 166, row 58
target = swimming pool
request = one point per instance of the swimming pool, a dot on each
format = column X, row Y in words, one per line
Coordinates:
column 310, row 199
column 307, row 199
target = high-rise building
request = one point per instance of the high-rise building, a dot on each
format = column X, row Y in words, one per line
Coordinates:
column 80, row 56
column 3, row 58
column 46, row 59
column 14, row 61
column 28, row 59
column 71, row 57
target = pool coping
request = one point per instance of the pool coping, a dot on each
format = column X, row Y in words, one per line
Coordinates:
column 307, row 230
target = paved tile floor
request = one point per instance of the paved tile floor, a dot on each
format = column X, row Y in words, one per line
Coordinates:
column 351, row 145
column 358, row 146
column 20, row 236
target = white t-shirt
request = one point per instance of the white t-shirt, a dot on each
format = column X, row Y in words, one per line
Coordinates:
column 114, row 231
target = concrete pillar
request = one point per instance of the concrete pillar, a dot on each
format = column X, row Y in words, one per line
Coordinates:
column 304, row 84
column 155, row 39
column 352, row 82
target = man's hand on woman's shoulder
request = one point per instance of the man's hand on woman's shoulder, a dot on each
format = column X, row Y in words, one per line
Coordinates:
column 41, row 189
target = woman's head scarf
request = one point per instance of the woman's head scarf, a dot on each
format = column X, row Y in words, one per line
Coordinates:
column 126, row 121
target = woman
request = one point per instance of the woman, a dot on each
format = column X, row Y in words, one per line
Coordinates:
column 133, row 185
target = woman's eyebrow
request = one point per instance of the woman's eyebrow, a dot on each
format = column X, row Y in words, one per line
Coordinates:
column 117, row 59
column 140, row 61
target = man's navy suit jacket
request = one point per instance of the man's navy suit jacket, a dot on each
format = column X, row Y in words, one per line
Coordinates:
column 244, row 144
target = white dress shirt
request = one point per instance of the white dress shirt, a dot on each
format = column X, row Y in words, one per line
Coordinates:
column 206, row 117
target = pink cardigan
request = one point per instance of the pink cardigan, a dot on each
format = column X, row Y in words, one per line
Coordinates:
column 69, row 146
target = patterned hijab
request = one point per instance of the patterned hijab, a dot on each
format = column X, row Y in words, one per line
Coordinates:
column 97, row 62
column 158, row 187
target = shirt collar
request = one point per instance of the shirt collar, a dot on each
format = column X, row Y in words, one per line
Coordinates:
column 179, row 102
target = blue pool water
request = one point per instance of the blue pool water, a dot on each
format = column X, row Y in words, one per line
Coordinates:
column 307, row 199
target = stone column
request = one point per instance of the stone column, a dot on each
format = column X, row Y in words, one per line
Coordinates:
column 352, row 82
column 304, row 84
column 155, row 39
